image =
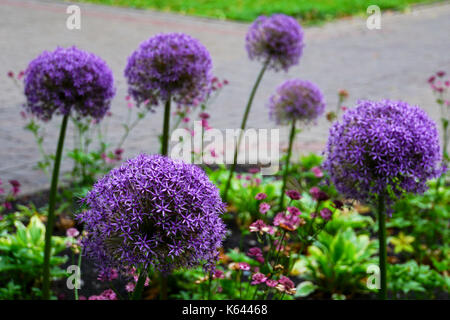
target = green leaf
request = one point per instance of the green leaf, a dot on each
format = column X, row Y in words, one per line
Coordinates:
column 305, row 288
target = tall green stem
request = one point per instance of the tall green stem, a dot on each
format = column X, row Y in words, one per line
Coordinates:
column 382, row 245
column 51, row 210
column 137, row 293
column 286, row 169
column 79, row 268
column 243, row 124
column 166, row 129
column 163, row 286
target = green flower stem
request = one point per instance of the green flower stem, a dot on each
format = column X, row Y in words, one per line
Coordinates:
column 166, row 129
column 51, row 210
column 137, row 293
column 382, row 249
column 243, row 124
column 288, row 159
column 79, row 268
column 209, row 285
column 163, row 286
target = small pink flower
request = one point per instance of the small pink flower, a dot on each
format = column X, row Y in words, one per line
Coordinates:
column 440, row 74
column 431, row 79
column 261, row 227
column 8, row 205
column 261, row 196
column 258, row 278
column 186, row 119
column 317, row 172
column 294, row 211
column 130, row 287
column 257, row 181
column 244, row 266
column 205, row 123
column 288, row 222
column 15, row 186
column 225, row 82
column 130, row 105
column 326, row 214
column 10, row 74
column 204, row 115
column 286, row 285
column 271, row 283
column 264, row 207
column 20, row 75
column 253, row 170
column 218, row 274
column 256, row 253
column 72, row 232
column 213, row 153
column 23, row 114
column 293, row 194
column 127, row 98
column 318, row 194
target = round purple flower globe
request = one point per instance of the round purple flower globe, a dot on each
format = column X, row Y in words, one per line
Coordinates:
column 172, row 65
column 296, row 100
column 386, row 147
column 68, row 80
column 153, row 212
column 277, row 39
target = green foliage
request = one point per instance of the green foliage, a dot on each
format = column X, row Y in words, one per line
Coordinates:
column 425, row 217
column 420, row 281
column 21, row 260
column 338, row 263
column 248, row 10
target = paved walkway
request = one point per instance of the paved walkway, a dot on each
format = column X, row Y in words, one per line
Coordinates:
column 393, row 62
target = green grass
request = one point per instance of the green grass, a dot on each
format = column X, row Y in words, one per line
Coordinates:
column 310, row 12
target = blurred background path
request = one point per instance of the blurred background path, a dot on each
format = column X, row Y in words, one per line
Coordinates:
column 393, row 62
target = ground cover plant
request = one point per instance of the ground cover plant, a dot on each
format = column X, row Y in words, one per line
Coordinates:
column 309, row 12
column 368, row 218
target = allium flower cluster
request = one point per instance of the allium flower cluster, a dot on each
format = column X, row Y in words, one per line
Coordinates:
column 277, row 39
column 153, row 211
column 68, row 79
column 381, row 146
column 296, row 99
column 172, row 65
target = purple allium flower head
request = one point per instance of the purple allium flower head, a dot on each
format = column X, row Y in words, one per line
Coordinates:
column 296, row 99
column 68, row 80
column 382, row 146
column 153, row 211
column 172, row 65
column 277, row 39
